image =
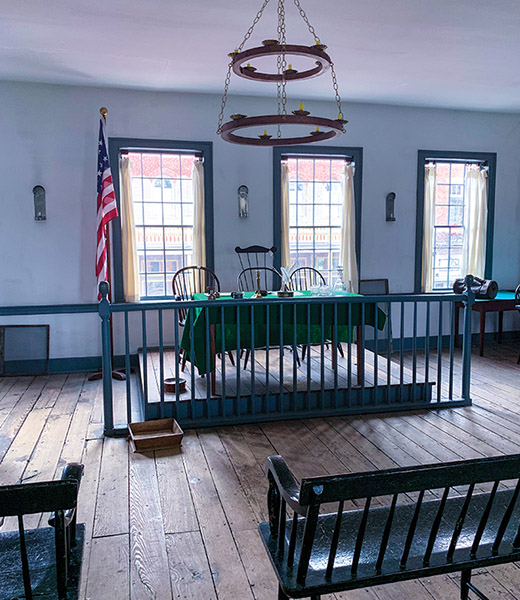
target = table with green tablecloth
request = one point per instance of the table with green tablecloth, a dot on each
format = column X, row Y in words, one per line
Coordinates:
column 289, row 323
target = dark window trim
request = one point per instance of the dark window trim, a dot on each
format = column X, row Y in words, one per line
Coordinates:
column 115, row 146
column 354, row 153
column 488, row 157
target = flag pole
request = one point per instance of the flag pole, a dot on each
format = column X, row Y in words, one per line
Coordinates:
column 116, row 374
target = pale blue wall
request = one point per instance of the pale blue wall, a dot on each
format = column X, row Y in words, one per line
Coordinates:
column 48, row 137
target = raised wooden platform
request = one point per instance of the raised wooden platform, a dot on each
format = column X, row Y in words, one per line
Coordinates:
column 183, row 524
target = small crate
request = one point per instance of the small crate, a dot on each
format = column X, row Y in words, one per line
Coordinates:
column 158, row 434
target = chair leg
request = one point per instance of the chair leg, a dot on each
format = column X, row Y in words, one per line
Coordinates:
column 304, row 352
column 340, row 350
column 61, row 554
column 183, row 364
column 518, row 361
column 281, row 594
column 465, row 578
column 232, row 360
column 248, row 352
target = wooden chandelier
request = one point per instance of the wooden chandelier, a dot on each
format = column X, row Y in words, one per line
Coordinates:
column 240, row 64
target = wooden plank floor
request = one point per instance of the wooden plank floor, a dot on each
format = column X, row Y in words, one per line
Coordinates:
column 182, row 524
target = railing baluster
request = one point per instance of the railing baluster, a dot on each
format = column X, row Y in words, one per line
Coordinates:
column 505, row 520
column 411, row 530
column 145, row 359
column 350, row 330
column 435, row 528
column 161, row 362
column 177, row 356
column 322, row 362
column 401, row 354
column 427, row 349
column 253, row 391
column 452, row 348
column 439, row 355
column 222, row 410
column 238, row 394
column 267, row 349
column 308, row 354
column 334, row 541
column 211, row 366
column 128, row 373
column 386, row 534
column 360, row 537
column 414, row 353
column 389, row 353
column 361, row 366
column 192, row 366
column 335, row 343
column 459, row 524
column 280, row 354
column 376, row 355
column 295, row 358
column 483, row 520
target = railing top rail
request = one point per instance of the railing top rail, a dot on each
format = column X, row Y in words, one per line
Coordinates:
column 172, row 304
column 48, row 309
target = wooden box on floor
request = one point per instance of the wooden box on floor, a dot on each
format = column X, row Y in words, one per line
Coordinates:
column 155, row 435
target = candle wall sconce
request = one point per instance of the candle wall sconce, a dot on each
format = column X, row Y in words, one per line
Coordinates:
column 390, row 206
column 40, row 213
column 243, row 201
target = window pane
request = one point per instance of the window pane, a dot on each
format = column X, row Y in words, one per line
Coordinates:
column 173, row 237
column 172, row 214
column 457, row 215
column 135, row 164
column 305, row 169
column 155, row 285
column 152, row 213
column 443, row 172
column 153, row 237
column 441, row 215
column 321, row 214
column 321, row 193
column 457, row 173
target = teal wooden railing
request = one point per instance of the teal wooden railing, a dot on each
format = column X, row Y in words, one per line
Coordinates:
column 408, row 363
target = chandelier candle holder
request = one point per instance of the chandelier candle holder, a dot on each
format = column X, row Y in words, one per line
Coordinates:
column 317, row 128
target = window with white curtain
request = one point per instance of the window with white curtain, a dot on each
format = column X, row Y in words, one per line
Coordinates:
column 316, row 204
column 455, row 203
column 163, row 201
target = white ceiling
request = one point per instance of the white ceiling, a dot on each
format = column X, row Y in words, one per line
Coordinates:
column 446, row 53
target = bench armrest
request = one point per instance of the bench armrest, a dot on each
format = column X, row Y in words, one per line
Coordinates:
column 282, row 485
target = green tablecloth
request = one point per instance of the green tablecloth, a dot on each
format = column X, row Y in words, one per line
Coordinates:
column 306, row 328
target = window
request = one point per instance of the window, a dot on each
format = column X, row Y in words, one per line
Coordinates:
column 449, row 236
column 163, row 201
column 316, row 200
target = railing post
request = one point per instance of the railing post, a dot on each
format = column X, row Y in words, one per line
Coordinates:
column 106, row 359
column 466, row 343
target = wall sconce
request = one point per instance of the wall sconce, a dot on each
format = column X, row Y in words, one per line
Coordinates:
column 243, row 201
column 39, row 203
column 390, row 206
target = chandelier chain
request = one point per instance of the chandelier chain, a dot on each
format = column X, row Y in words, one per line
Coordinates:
column 255, row 21
column 306, row 19
column 336, row 90
column 224, row 97
column 282, row 63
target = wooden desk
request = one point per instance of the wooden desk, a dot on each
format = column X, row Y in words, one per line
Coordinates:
column 504, row 301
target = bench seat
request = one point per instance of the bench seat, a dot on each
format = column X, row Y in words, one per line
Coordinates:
column 364, row 529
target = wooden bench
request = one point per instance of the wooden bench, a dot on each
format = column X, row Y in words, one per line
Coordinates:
column 58, row 497
column 427, row 525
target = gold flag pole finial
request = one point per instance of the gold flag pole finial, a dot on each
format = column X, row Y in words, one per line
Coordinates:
column 103, row 111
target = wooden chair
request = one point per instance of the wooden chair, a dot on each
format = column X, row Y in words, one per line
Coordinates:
column 193, row 280
column 256, row 256
column 270, row 278
column 58, row 497
column 304, row 278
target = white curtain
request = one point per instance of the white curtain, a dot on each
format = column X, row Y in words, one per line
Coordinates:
column 285, row 253
column 348, row 232
column 199, row 216
column 475, row 222
column 130, row 260
column 430, row 182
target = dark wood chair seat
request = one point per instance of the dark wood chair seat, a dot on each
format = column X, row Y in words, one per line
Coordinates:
column 57, row 497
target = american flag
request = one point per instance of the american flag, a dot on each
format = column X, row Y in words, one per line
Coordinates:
column 106, row 204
